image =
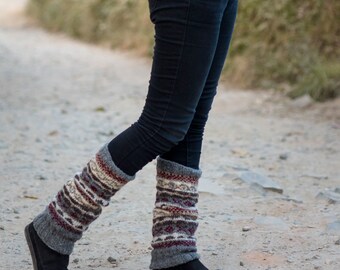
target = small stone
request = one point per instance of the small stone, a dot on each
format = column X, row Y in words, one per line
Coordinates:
column 258, row 180
column 84, row 243
column 112, row 261
column 283, row 156
column 15, row 211
column 53, row 133
column 318, row 177
column 76, row 260
column 337, row 242
column 241, row 263
column 30, row 197
column 214, row 253
column 2, row 228
column 332, row 197
column 246, row 229
column 41, row 177
column 241, row 153
column 100, row 109
column 288, row 199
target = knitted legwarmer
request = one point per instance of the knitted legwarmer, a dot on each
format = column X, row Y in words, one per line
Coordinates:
column 175, row 215
column 80, row 202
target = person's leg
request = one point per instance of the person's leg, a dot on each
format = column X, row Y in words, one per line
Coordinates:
column 175, row 214
column 52, row 234
column 186, row 36
column 186, row 39
column 188, row 151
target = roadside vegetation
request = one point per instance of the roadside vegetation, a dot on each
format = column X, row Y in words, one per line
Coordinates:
column 288, row 45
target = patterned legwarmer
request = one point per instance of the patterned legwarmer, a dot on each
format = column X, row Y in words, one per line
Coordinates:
column 175, row 215
column 80, row 202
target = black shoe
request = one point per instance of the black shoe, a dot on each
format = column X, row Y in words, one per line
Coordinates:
column 43, row 257
column 192, row 265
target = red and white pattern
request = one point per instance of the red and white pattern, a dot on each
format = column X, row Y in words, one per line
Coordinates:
column 175, row 213
column 80, row 200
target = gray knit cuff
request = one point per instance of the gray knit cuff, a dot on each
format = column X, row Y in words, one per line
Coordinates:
column 106, row 156
column 164, row 165
column 53, row 235
column 169, row 257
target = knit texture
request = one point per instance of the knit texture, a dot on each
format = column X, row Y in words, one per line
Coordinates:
column 175, row 215
column 80, row 202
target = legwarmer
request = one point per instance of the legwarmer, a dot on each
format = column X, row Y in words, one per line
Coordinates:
column 175, row 215
column 80, row 202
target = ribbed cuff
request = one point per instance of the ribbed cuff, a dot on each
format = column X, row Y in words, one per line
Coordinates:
column 169, row 257
column 164, row 165
column 106, row 156
column 53, row 235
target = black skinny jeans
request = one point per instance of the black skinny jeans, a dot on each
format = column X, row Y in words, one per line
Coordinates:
column 191, row 42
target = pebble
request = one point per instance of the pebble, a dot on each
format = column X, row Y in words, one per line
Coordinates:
column 316, row 257
column 337, row 242
column 100, row 109
column 288, row 199
column 331, row 196
column 246, row 229
column 76, row 260
column 113, row 261
column 256, row 179
column 318, row 177
column 2, row 227
column 241, row 264
column 41, row 177
column 283, row 156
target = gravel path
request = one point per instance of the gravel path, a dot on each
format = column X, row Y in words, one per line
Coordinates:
column 60, row 100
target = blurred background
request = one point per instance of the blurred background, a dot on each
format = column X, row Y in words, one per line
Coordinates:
column 288, row 45
column 270, row 191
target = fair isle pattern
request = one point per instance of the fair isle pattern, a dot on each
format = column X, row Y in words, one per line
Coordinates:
column 79, row 202
column 81, row 199
column 175, row 215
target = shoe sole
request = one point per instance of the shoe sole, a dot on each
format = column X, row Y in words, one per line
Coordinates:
column 30, row 245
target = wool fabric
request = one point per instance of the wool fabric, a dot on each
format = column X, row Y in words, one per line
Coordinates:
column 175, row 215
column 80, row 202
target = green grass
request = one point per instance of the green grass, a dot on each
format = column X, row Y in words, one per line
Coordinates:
column 283, row 44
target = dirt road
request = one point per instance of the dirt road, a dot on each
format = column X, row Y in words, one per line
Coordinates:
column 60, row 100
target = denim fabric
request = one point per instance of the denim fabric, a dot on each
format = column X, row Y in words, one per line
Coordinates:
column 191, row 43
